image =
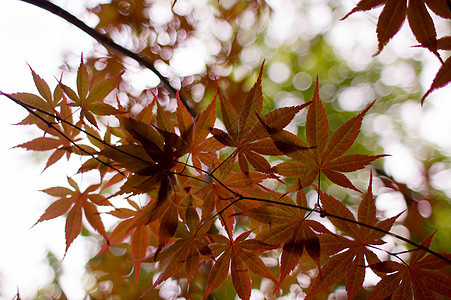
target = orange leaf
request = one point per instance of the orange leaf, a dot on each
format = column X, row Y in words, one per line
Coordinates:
column 73, row 224
column 93, row 217
column 42, row 86
column 140, row 242
column 355, row 276
column 82, row 81
column 333, row 271
column 56, row 209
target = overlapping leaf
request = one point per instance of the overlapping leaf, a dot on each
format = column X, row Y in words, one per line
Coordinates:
column 187, row 252
column 325, row 155
column 90, row 99
column 420, row 279
column 244, row 130
column 290, row 230
column 194, row 133
column 132, row 227
column 47, row 109
column 347, row 257
column 75, row 203
column 240, row 256
column 421, row 23
column 393, row 15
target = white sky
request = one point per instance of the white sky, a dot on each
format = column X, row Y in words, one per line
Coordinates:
column 30, row 35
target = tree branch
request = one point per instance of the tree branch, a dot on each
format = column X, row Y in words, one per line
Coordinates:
column 109, row 43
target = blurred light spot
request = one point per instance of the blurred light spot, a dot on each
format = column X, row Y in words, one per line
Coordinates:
column 278, row 72
column 382, row 124
column 222, row 30
column 302, row 81
column 327, row 92
column 354, row 98
column 320, row 17
column 213, row 46
column 245, row 38
column 197, row 92
column 411, row 113
column 441, row 178
column 124, row 8
column 401, row 230
column 190, row 59
column 403, row 165
column 183, row 8
column 163, row 38
column 308, row 62
column 160, row 12
column 257, row 295
column 436, row 121
column 250, row 55
column 247, row 19
column 425, row 208
column 303, row 280
column 391, row 203
column 170, row 289
column 401, row 74
column 337, row 74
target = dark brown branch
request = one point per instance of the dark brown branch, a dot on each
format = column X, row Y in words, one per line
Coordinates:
column 109, row 43
column 33, row 111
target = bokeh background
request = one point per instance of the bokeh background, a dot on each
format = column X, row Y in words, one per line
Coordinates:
column 298, row 39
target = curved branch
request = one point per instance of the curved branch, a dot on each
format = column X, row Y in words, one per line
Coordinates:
column 109, row 43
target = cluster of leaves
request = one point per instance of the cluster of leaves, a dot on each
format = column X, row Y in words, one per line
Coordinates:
column 193, row 173
column 422, row 25
column 222, row 203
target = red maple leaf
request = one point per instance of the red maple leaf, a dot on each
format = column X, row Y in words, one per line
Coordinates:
column 324, row 155
column 417, row 280
column 347, row 257
column 239, row 255
column 245, row 132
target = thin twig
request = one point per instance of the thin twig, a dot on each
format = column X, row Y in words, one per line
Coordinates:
column 52, row 126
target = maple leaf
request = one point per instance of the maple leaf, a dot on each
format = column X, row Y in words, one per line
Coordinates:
column 289, row 229
column 417, row 280
column 90, row 99
column 187, row 252
column 45, row 112
column 240, row 255
column 152, row 161
column 350, row 260
column 131, row 226
column 395, row 12
column 194, row 133
column 216, row 196
column 442, row 78
column 75, row 203
column 325, row 155
column 245, row 132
